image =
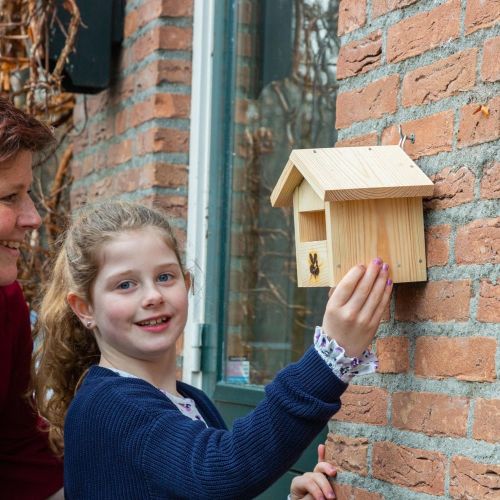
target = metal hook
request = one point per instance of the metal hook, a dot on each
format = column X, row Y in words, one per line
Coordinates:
column 403, row 137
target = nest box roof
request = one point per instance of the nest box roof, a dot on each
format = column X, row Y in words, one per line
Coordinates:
column 340, row 174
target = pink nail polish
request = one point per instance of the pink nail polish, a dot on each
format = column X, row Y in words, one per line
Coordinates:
column 389, row 282
column 385, row 267
column 377, row 261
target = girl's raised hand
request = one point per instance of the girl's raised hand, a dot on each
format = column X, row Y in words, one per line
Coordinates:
column 314, row 485
column 355, row 307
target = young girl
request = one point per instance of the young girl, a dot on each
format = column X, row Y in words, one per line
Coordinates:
column 110, row 320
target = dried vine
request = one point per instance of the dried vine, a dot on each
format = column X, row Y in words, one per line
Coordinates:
column 34, row 84
column 25, row 71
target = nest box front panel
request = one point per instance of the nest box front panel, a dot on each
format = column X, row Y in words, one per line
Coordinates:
column 389, row 228
column 312, row 252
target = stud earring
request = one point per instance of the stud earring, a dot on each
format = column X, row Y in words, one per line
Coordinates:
column 88, row 324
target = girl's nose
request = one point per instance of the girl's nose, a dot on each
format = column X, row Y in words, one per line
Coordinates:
column 28, row 217
column 153, row 297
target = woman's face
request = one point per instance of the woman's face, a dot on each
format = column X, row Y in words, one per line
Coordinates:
column 17, row 212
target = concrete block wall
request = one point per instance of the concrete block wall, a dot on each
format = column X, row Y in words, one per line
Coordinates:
column 428, row 424
column 132, row 139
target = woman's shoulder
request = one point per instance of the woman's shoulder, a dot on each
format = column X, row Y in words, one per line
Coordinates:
column 12, row 295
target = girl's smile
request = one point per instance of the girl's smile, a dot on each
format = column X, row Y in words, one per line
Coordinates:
column 155, row 324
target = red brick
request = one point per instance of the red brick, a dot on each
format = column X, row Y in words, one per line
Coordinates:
column 363, row 404
column 432, row 414
column 168, row 140
column 487, row 420
column 441, row 79
column 423, row 32
column 490, row 68
column 474, row 480
column 360, row 56
column 102, row 189
column 418, row 470
column 245, row 12
column 475, row 127
column 490, row 183
column 100, row 131
column 240, row 111
column 175, row 206
column 488, row 307
column 373, row 101
column 360, row 140
column 153, row 175
column 120, row 152
column 478, row 242
column 470, row 358
column 452, row 187
column 246, row 44
column 481, row 14
column 154, row 9
column 155, row 73
column 348, row 492
column 352, row 15
column 160, row 106
column 347, row 454
column 438, row 301
column 88, row 165
column 381, row 7
column 392, row 354
column 131, row 24
column 158, row 38
column 433, row 134
column 437, row 245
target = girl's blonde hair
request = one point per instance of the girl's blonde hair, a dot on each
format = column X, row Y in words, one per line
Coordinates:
column 66, row 349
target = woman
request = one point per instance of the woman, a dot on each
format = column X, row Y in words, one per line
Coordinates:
column 28, row 469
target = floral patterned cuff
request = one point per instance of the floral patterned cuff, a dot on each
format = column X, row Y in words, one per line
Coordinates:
column 343, row 367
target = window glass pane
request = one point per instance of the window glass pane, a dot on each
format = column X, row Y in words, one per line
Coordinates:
column 285, row 90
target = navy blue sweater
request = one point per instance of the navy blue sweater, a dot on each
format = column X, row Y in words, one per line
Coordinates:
column 124, row 439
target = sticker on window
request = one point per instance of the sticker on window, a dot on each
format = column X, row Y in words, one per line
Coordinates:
column 238, row 370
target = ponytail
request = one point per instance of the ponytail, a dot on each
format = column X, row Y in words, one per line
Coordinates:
column 64, row 353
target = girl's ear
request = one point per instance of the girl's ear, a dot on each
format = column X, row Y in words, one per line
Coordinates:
column 81, row 308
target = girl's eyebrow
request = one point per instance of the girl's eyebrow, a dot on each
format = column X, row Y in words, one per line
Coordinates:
column 128, row 272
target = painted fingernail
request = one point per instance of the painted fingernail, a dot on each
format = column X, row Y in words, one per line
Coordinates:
column 385, row 267
column 389, row 282
column 377, row 261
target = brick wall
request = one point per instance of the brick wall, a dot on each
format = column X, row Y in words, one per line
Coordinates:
column 428, row 425
column 134, row 137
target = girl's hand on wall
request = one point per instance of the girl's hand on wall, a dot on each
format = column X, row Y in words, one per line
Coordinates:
column 355, row 307
column 314, row 485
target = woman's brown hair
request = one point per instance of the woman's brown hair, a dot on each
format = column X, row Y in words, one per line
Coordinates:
column 66, row 349
column 19, row 131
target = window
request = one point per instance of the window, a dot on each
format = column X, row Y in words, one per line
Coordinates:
column 283, row 98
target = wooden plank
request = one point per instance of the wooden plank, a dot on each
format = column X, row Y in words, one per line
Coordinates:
column 309, row 201
column 290, row 178
column 370, row 172
column 392, row 229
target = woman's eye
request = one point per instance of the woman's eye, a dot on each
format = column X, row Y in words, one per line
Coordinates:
column 164, row 277
column 125, row 285
column 9, row 198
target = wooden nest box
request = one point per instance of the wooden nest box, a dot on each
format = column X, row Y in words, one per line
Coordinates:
column 351, row 205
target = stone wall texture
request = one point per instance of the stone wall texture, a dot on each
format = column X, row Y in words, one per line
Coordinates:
column 426, row 426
